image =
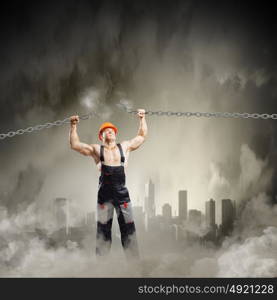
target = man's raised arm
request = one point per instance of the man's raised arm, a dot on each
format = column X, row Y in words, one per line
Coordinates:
column 74, row 140
column 134, row 143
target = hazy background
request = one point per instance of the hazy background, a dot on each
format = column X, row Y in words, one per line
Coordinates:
column 75, row 56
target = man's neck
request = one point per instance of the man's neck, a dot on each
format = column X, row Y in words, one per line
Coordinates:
column 109, row 144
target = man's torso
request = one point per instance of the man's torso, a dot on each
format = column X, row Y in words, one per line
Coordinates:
column 111, row 156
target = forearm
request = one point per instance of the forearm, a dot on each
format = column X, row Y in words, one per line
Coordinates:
column 142, row 127
column 73, row 136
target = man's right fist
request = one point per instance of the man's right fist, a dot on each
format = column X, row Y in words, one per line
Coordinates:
column 74, row 120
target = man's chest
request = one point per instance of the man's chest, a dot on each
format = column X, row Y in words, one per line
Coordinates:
column 111, row 155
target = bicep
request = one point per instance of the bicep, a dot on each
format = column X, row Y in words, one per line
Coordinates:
column 85, row 149
column 134, row 143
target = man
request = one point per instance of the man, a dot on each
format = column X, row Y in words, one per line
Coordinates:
column 111, row 159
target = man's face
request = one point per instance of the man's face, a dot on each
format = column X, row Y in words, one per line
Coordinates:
column 108, row 134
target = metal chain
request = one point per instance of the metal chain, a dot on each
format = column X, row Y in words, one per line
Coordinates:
column 40, row 127
column 150, row 113
column 207, row 114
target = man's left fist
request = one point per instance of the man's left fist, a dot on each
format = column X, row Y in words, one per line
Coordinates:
column 141, row 113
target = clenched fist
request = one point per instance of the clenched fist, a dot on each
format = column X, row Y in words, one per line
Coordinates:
column 74, row 120
column 141, row 113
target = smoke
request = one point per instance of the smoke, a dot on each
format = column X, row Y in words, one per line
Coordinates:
column 90, row 98
column 249, row 252
column 29, row 184
column 252, row 176
column 255, row 257
column 218, row 184
column 255, row 173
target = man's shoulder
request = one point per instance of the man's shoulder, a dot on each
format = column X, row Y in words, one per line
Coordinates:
column 124, row 143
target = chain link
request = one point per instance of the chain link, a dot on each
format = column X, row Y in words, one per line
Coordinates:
column 207, row 114
column 150, row 113
column 40, row 127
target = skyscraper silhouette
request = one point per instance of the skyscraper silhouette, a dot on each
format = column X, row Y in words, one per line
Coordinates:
column 150, row 204
column 228, row 216
column 150, row 200
column 210, row 220
column 167, row 212
column 210, row 212
column 182, row 205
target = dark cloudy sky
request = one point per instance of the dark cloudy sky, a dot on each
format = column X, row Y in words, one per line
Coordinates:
column 58, row 59
column 67, row 57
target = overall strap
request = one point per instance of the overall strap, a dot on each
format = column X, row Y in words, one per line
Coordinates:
column 102, row 153
column 121, row 154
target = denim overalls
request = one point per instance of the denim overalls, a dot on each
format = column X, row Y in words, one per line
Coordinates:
column 113, row 194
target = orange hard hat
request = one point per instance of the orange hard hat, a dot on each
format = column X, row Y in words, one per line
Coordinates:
column 103, row 127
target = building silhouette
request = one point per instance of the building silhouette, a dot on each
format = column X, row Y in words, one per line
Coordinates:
column 150, row 204
column 150, row 209
column 210, row 213
column 210, row 220
column 228, row 216
column 167, row 212
column 182, row 205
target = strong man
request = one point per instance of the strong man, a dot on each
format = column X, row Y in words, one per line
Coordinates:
column 111, row 159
